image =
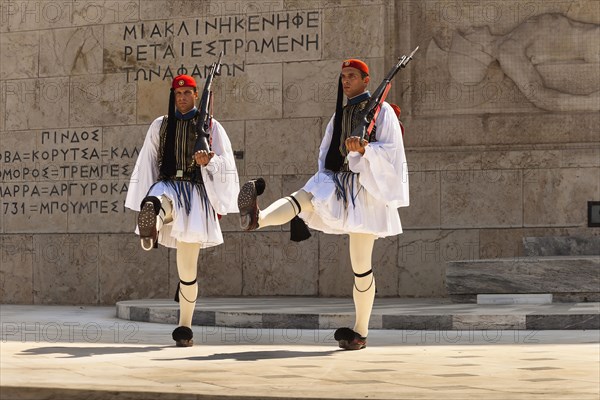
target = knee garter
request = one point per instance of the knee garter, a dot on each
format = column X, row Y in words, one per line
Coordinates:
column 369, row 272
column 179, row 287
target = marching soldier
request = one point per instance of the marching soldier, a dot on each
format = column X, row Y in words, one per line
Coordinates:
column 180, row 194
column 357, row 190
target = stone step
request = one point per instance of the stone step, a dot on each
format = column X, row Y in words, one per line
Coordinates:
column 568, row 278
column 561, row 246
column 514, row 298
column 388, row 313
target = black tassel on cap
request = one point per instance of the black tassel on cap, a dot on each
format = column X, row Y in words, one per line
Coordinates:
column 168, row 166
column 334, row 159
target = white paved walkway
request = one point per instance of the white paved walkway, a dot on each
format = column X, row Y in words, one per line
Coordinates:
column 64, row 352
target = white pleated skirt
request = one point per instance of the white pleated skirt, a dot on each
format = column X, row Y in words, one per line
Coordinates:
column 341, row 205
column 194, row 219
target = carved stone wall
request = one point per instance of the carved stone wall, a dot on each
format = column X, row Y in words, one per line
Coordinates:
column 501, row 117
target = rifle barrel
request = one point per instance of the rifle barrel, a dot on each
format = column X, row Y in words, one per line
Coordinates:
column 218, row 64
column 379, row 94
column 405, row 59
column 205, row 108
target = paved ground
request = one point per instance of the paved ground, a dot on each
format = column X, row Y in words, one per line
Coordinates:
column 58, row 352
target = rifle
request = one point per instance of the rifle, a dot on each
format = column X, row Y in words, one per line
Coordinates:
column 205, row 109
column 371, row 111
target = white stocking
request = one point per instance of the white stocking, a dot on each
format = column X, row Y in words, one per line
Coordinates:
column 165, row 215
column 284, row 209
column 187, row 268
column 361, row 249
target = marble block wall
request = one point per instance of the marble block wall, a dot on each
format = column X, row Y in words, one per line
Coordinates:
column 501, row 135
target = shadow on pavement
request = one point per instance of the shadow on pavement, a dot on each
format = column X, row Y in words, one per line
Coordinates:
column 257, row 355
column 77, row 352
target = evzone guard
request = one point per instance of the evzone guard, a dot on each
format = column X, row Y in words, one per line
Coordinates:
column 184, row 178
column 361, row 182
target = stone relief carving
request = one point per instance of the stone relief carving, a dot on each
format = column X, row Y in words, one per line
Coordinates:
column 551, row 40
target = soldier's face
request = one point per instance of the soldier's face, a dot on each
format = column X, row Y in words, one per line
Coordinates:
column 353, row 83
column 185, row 98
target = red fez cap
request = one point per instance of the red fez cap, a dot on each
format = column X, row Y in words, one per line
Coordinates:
column 396, row 110
column 183, row 80
column 354, row 63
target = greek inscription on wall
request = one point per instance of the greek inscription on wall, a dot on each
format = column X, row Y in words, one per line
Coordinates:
column 160, row 50
column 68, row 172
column 73, row 177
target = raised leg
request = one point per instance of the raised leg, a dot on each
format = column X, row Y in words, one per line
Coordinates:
column 278, row 213
column 154, row 212
column 283, row 210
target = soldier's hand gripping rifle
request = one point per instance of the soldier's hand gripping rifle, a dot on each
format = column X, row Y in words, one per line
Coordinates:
column 205, row 109
column 371, row 111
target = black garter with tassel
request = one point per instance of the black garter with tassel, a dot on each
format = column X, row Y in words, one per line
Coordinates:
column 298, row 229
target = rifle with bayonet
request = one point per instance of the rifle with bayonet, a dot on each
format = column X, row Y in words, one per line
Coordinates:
column 371, row 110
column 205, row 109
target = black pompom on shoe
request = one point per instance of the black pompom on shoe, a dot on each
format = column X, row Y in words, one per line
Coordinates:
column 260, row 185
column 183, row 336
column 349, row 340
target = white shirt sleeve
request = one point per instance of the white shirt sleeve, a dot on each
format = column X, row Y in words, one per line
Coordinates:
column 383, row 168
column 325, row 144
column 145, row 172
column 220, row 174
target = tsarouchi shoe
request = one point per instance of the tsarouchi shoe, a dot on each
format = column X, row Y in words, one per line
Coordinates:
column 147, row 226
column 248, row 203
column 349, row 340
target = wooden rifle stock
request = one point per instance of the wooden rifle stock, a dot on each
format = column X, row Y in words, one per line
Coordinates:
column 369, row 115
column 205, row 109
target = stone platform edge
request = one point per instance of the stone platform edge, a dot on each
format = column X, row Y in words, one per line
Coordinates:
column 488, row 319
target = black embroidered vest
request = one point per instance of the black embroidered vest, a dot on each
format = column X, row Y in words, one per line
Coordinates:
column 185, row 139
column 350, row 119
